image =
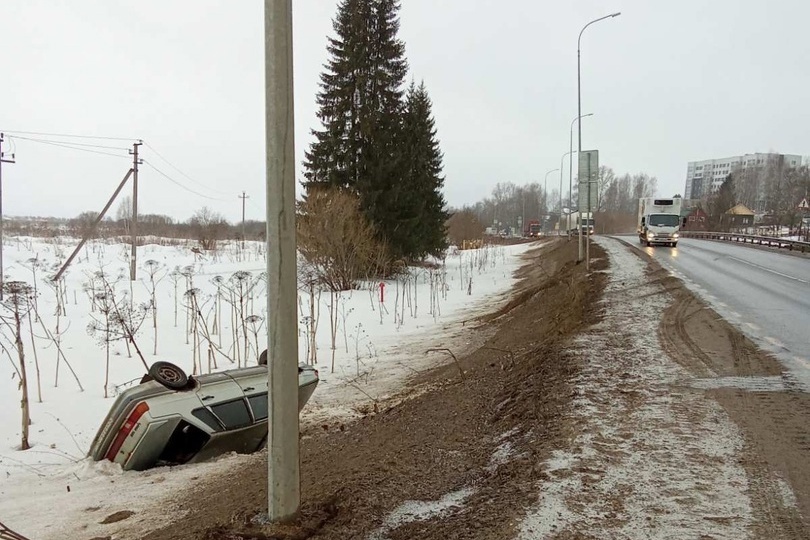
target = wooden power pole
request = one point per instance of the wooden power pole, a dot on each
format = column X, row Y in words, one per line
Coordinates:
column 244, row 198
column 2, row 160
column 134, row 224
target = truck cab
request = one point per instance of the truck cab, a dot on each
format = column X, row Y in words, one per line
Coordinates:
column 659, row 221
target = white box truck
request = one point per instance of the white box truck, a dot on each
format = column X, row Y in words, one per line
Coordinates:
column 659, row 221
column 577, row 221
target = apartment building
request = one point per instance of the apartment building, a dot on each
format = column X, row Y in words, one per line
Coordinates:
column 705, row 177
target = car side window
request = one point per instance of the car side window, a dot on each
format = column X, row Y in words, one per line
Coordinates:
column 207, row 417
column 258, row 403
column 233, row 414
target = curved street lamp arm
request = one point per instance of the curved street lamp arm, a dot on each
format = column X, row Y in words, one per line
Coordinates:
column 595, row 21
column 578, row 117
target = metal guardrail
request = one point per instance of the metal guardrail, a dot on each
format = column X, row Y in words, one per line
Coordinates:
column 791, row 245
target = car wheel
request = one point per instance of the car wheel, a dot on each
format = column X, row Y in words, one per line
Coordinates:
column 649, row 243
column 169, row 375
column 263, row 358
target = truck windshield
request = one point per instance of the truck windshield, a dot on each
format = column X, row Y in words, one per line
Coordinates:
column 664, row 220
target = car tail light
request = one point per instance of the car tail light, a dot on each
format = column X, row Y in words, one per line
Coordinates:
column 126, row 429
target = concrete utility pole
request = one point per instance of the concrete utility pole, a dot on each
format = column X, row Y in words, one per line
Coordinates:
column 2, row 160
column 283, row 471
column 134, row 225
column 92, row 229
column 244, row 198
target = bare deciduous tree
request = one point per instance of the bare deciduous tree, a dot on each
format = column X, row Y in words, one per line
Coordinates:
column 335, row 238
column 208, row 227
column 464, row 225
column 17, row 305
column 153, row 269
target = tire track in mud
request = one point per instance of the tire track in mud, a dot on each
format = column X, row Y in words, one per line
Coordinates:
column 674, row 338
column 773, row 424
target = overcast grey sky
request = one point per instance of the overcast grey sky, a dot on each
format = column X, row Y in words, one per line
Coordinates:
column 668, row 82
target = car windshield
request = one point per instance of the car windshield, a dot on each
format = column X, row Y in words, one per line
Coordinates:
column 664, row 220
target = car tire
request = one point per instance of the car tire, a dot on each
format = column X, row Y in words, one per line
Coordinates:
column 169, row 375
column 649, row 243
column 263, row 358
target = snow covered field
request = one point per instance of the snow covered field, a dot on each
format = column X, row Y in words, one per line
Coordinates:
column 45, row 490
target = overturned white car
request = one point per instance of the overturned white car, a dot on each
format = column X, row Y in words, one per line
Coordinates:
column 171, row 418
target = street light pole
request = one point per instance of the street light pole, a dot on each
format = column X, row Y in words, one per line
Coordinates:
column 571, row 159
column 562, row 159
column 545, row 186
column 579, row 98
column 571, row 175
column 523, row 214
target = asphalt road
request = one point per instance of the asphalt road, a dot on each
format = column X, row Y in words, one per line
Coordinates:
column 766, row 294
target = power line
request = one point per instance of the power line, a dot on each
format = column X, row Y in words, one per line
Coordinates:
column 170, row 164
column 256, row 206
column 66, row 145
column 69, row 135
column 72, row 143
column 87, row 148
column 172, row 180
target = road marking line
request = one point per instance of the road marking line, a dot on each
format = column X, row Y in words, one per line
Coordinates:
column 771, row 271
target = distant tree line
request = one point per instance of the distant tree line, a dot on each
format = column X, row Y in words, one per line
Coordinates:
column 617, row 203
column 205, row 226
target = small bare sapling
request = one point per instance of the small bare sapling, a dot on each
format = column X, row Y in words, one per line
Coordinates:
column 15, row 307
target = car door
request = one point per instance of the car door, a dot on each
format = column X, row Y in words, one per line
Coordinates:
column 254, row 384
column 224, row 403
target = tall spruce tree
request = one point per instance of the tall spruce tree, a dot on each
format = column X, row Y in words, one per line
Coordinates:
column 332, row 158
column 424, row 179
column 360, row 145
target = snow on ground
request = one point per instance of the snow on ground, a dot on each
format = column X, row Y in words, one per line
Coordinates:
column 410, row 511
column 51, row 489
column 651, row 459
